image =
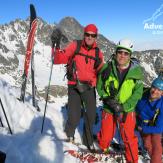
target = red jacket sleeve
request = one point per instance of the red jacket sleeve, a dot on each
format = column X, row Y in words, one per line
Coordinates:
column 62, row 56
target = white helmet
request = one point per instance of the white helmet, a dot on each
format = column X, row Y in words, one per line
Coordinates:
column 125, row 44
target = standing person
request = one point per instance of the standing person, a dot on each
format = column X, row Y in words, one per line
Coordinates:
column 120, row 87
column 82, row 69
column 150, row 120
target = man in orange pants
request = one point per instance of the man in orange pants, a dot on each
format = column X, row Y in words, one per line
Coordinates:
column 120, row 87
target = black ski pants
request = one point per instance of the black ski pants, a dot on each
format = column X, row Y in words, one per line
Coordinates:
column 75, row 105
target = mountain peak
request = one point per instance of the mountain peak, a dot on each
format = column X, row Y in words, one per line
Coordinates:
column 68, row 20
column 13, row 37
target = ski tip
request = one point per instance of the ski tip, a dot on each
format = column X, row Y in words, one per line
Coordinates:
column 32, row 12
column 32, row 6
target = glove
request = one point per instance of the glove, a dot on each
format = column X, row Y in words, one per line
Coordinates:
column 56, row 37
column 113, row 105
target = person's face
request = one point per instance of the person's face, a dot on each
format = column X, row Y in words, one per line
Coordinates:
column 155, row 93
column 122, row 57
column 90, row 38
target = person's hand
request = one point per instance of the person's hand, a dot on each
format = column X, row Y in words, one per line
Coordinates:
column 113, row 104
column 56, row 37
column 117, row 108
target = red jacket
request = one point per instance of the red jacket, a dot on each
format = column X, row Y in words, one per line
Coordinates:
column 85, row 71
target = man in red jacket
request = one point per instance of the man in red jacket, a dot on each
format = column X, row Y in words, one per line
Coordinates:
column 82, row 75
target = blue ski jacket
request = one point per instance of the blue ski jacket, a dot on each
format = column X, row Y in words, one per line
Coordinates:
column 150, row 115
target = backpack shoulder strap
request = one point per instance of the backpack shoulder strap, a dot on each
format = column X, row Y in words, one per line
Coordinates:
column 146, row 91
column 108, row 68
column 96, row 58
column 97, row 53
column 78, row 46
column 77, row 50
column 106, row 72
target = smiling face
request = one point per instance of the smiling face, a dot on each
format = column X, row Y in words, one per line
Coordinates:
column 90, row 38
column 155, row 93
column 122, row 57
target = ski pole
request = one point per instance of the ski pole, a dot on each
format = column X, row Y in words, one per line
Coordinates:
column 119, row 139
column 119, row 121
column 55, row 42
column 1, row 122
column 47, row 92
column 89, row 129
column 85, row 116
column 5, row 116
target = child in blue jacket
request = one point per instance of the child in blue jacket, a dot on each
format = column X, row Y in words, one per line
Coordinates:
column 150, row 120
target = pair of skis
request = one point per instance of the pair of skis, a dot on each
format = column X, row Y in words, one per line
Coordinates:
column 29, row 56
column 87, row 156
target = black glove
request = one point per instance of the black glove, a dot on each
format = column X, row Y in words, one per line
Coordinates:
column 56, row 37
column 113, row 105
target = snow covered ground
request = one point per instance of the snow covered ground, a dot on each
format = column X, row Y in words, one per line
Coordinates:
column 27, row 144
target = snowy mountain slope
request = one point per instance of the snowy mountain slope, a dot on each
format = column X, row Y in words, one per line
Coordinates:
column 27, row 144
column 12, row 51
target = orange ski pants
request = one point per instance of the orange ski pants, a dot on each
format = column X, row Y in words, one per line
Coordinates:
column 107, row 132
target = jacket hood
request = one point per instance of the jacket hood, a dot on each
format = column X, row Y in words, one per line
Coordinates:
column 135, row 71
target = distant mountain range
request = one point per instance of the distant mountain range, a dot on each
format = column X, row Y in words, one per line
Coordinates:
column 13, row 38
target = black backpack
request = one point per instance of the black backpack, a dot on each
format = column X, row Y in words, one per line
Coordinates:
column 71, row 66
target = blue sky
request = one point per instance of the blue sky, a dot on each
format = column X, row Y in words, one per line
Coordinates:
column 116, row 19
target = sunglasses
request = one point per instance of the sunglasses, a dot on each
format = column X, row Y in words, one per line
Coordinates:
column 89, row 34
column 124, row 53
